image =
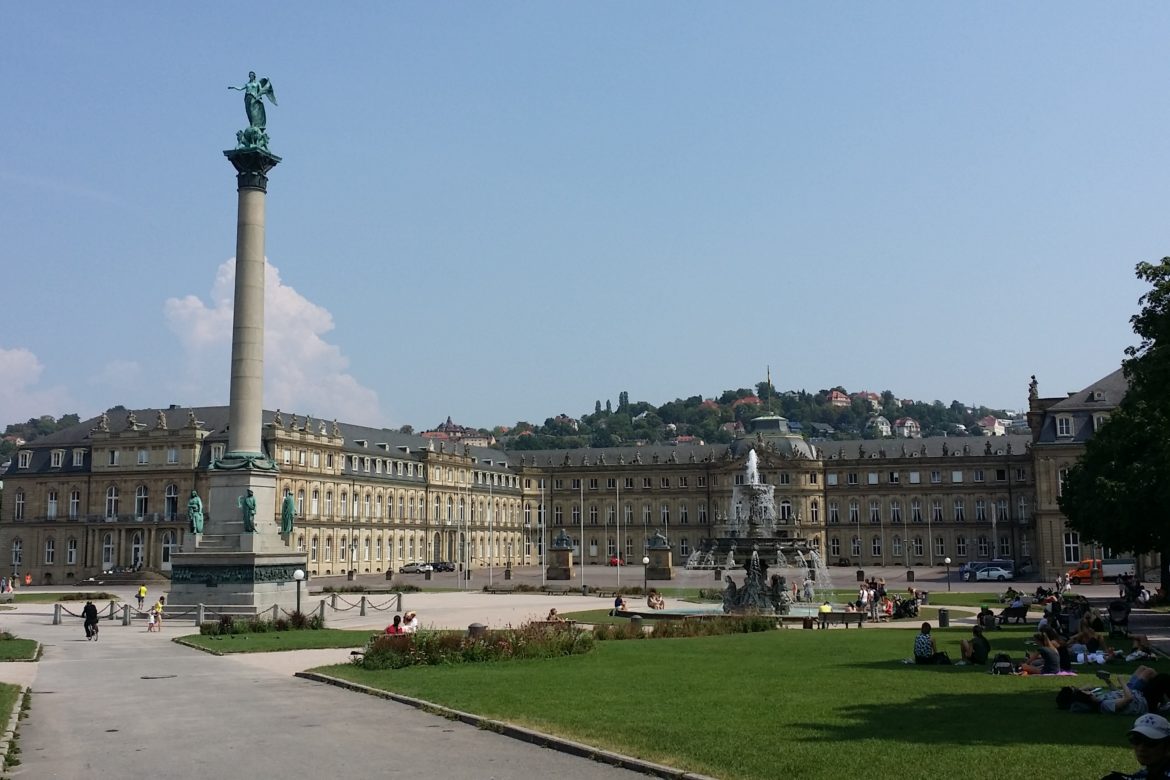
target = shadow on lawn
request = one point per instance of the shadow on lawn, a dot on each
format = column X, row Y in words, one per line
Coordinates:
column 993, row 719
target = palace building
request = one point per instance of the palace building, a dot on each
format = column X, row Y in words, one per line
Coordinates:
column 111, row 493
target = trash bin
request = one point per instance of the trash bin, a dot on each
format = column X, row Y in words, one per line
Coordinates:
column 807, row 622
column 349, row 575
column 861, row 575
column 909, row 575
column 584, row 590
column 925, row 597
column 427, row 576
column 719, row 575
column 507, row 574
column 476, row 630
column 944, row 618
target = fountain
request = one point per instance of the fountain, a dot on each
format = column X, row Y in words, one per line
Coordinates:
column 756, row 538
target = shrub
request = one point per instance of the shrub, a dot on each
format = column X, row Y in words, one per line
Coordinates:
column 430, row 648
column 315, row 623
column 209, row 629
column 298, row 620
column 280, row 624
column 227, row 624
column 672, row 629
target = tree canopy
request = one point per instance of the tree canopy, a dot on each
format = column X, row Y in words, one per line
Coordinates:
column 1118, row 493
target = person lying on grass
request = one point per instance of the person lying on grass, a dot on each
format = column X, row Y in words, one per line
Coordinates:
column 1127, row 699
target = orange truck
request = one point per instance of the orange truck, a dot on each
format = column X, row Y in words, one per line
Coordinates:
column 1109, row 569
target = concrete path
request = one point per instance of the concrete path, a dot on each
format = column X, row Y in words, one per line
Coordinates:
column 136, row 705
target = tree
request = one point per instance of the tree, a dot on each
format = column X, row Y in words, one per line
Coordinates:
column 1118, row 493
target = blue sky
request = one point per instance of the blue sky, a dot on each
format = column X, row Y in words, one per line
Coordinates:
column 506, row 210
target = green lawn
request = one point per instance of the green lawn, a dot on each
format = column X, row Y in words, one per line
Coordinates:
column 17, row 650
column 270, row 641
column 789, row 703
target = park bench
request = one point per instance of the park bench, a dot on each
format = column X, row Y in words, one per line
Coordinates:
column 845, row 618
column 1015, row 614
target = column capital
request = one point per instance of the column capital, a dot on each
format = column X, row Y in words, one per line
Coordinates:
column 252, row 167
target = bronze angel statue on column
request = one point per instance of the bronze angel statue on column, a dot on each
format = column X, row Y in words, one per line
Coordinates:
column 255, row 136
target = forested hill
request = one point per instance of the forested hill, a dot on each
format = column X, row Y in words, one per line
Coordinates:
column 713, row 419
column 32, row 430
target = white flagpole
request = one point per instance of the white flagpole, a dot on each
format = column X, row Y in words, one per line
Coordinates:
column 581, row 483
column 618, row 528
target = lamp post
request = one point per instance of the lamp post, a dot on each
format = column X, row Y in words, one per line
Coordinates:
column 645, row 569
column 299, row 576
column 947, row 561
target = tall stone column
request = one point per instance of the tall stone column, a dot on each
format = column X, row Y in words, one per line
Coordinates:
column 247, row 385
column 228, row 567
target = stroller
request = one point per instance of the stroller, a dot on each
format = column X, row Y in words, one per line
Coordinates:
column 905, row 608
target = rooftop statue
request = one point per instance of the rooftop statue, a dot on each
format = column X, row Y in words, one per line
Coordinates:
column 255, row 136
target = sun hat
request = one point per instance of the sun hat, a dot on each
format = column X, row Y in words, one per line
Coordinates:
column 409, row 615
column 1151, row 726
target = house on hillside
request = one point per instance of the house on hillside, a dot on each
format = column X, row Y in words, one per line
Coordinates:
column 458, row 434
column 879, row 425
column 873, row 399
column 747, row 400
column 907, row 428
column 991, row 425
column 837, row 398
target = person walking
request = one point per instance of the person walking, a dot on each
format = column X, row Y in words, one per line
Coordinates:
column 141, row 596
column 157, row 611
column 89, row 615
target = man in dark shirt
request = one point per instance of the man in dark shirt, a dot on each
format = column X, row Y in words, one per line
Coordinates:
column 90, row 615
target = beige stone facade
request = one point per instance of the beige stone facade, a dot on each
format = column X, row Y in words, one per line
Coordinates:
column 112, row 493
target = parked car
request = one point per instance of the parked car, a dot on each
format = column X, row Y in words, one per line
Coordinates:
column 442, row 566
column 994, row 573
column 417, row 567
column 967, row 570
column 616, row 561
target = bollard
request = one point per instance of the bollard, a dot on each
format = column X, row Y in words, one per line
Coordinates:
column 112, row 607
column 719, row 575
column 321, row 612
column 56, row 614
column 333, row 600
column 362, row 611
column 275, row 612
column 584, row 590
column 200, row 615
column 399, row 608
column 476, row 630
column 125, row 614
column 636, row 622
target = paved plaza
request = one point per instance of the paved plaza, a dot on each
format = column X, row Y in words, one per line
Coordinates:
column 135, row 704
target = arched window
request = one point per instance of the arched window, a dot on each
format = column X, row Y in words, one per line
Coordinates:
column 314, row 502
column 168, row 546
column 171, row 501
column 785, row 511
column 301, row 543
column 876, row 545
column 108, row 551
column 313, row 549
column 341, row 545
column 136, row 548
column 450, row 509
column 18, row 505
column 17, row 552
column 896, row 546
column 834, row 546
column 328, row 548
column 815, row 513
column 329, row 503
column 141, row 500
column 50, row 550
column 71, row 552
column 301, row 503
column 111, row 502
column 855, row 547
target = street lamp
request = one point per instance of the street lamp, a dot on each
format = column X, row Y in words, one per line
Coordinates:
column 645, row 569
column 299, row 576
column 947, row 561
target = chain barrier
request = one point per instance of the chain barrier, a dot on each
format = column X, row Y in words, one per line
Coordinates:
column 349, row 605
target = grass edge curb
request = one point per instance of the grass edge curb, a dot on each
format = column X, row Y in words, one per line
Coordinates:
column 182, row 641
column 530, row 736
column 10, row 735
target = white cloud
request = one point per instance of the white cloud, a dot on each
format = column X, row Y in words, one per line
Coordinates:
column 20, row 397
column 303, row 373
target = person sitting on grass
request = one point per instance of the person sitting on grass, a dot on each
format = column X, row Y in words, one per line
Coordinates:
column 1057, row 641
column 1045, row 660
column 977, row 650
column 985, row 617
column 925, row 651
column 1141, row 648
column 1150, row 738
column 396, row 626
column 887, row 608
column 554, row 616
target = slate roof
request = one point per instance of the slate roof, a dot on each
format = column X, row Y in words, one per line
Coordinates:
column 1102, row 396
